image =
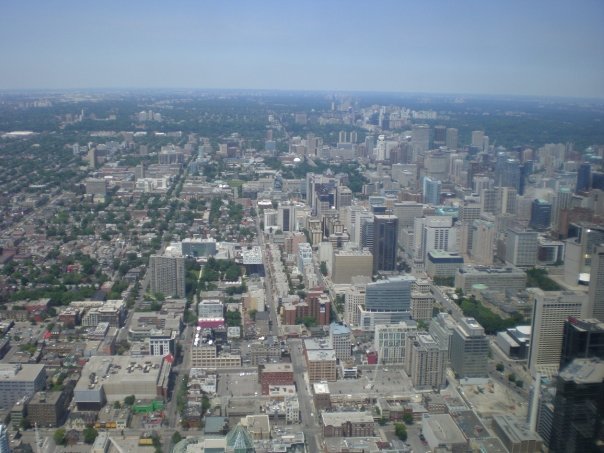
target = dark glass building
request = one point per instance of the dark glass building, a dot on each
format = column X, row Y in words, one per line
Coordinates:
column 583, row 177
column 385, row 235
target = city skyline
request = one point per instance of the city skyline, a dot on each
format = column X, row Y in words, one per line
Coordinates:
column 535, row 49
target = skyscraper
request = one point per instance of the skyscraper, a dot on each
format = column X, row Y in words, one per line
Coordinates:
column 4, row 444
column 578, row 407
column 521, row 247
column 550, row 310
column 167, row 274
column 595, row 302
column 451, row 138
column 440, row 136
column 385, row 245
column 541, row 214
column 582, row 339
column 583, row 177
column 469, row 349
column 431, row 190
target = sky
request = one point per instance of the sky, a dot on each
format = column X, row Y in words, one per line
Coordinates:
column 512, row 47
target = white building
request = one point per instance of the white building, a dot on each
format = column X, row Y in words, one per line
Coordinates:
column 389, row 341
column 550, row 310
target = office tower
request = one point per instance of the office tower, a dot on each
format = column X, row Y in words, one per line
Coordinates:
column 436, row 164
column 561, row 202
column 353, row 299
column 348, row 264
column 441, row 328
column 541, row 214
column 521, row 247
column 18, row 381
column 434, row 233
column 550, row 310
column 431, row 190
column 344, row 197
column 583, row 177
column 167, row 275
column 479, row 183
column 391, row 295
column 340, row 338
column 483, row 241
column 389, row 341
column 420, row 139
column 584, row 239
column 469, row 349
column 425, row 362
column 286, row 219
column 478, row 139
column 451, row 138
column 595, row 303
column 367, row 232
column 406, row 212
column 440, row 136
column 4, row 442
column 578, row 407
column 385, row 244
column 508, row 173
column 582, row 339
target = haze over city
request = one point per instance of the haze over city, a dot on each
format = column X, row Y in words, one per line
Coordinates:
column 551, row 48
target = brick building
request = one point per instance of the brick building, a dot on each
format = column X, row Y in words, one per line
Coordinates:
column 275, row 374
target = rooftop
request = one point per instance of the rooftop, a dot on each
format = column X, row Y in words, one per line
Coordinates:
column 339, row 418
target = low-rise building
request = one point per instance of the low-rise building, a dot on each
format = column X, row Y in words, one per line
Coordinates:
column 49, row 408
column 500, row 279
column 515, row 435
column 440, row 431
column 347, row 424
column 273, row 374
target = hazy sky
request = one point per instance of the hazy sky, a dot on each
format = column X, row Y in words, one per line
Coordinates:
column 535, row 47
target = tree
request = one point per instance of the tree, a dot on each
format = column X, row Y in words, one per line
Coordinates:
column 176, row 437
column 129, row 400
column 59, row 436
column 499, row 367
column 90, row 434
column 401, row 431
column 511, row 377
column 408, row 418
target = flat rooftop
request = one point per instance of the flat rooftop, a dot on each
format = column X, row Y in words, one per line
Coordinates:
column 339, row 418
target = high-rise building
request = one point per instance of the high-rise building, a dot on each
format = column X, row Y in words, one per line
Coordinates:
column 340, row 338
column 431, row 190
column 578, row 407
column 167, row 274
column 17, row 381
column 353, row 299
column 550, row 310
column 393, row 294
column 440, row 136
column 521, row 247
column 582, row 339
column 541, row 214
column 385, row 244
column 420, row 139
column 389, row 341
column 351, row 263
column 469, row 349
column 583, row 177
column 451, row 140
column 478, row 139
column 595, row 303
column 4, row 442
column 483, row 241
column 433, row 233
column 425, row 361
column 441, row 328
column 286, row 219
column 508, row 173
